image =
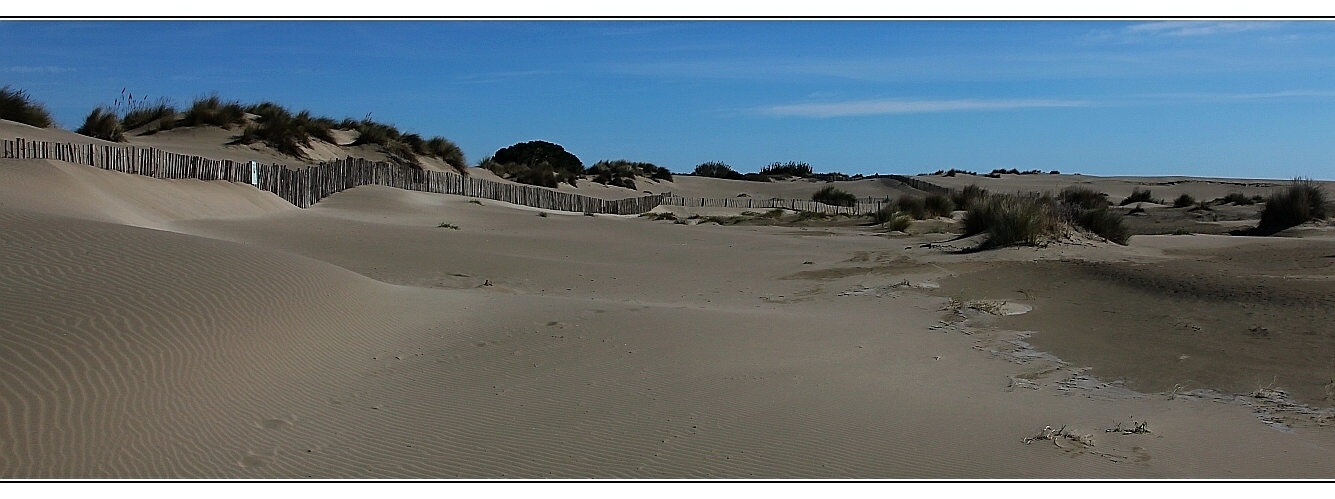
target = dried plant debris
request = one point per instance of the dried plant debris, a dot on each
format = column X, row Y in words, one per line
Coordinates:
column 1061, row 435
column 1136, row 428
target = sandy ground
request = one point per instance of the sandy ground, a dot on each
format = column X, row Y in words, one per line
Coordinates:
column 167, row 328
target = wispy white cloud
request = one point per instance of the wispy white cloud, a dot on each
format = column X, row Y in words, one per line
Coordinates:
column 495, row 76
column 36, row 69
column 911, row 106
column 1223, row 97
column 1197, row 28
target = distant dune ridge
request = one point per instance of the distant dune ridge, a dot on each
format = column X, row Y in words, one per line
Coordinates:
column 181, row 328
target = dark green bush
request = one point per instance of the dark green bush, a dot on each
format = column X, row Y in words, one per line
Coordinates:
column 1084, row 197
column 17, row 105
column 834, row 197
column 213, row 111
column 1184, row 201
column 532, row 163
column 716, row 169
column 280, row 129
column 967, row 197
column 543, row 176
column 537, row 152
column 103, row 124
column 938, row 205
column 608, row 171
column 789, row 169
column 1010, row 220
column 619, row 173
column 756, row 177
column 1105, row 223
column 1303, row 201
column 1237, row 198
column 1139, row 196
column 912, row 206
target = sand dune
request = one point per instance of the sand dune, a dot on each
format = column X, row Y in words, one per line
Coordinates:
column 137, row 353
column 153, row 328
column 1118, row 188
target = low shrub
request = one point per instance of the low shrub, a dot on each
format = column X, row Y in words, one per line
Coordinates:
column 1010, row 220
column 1138, row 209
column 103, row 124
column 17, row 105
column 1138, row 196
column 618, row 173
column 163, row 114
column 967, row 197
column 1302, row 201
column 213, row 111
column 280, row 129
column 835, row 197
column 1184, row 201
column 912, row 206
column 885, row 214
column 756, row 177
column 1237, row 198
column 1105, row 223
column 716, row 169
column 939, row 205
column 447, row 151
column 1084, row 197
column 789, row 169
column 544, row 177
column 900, row 223
column 622, row 172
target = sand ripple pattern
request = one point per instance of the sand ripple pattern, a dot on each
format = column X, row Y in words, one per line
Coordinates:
column 128, row 352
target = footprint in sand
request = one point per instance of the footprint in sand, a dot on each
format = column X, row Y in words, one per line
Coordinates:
column 256, row 460
column 1141, row 455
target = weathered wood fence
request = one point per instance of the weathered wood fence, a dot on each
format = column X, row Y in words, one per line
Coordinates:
column 306, row 186
column 918, row 184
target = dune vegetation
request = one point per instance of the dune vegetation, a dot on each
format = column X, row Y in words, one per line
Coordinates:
column 1301, row 202
column 266, row 122
column 103, row 124
column 1028, row 219
column 834, row 196
column 17, row 105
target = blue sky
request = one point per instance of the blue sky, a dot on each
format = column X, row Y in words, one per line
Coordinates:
column 1207, row 98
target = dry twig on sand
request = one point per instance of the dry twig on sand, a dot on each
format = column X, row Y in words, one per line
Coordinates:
column 1061, row 434
column 1135, row 429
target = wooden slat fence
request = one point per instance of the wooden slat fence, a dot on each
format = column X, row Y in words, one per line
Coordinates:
column 307, row 186
column 919, row 184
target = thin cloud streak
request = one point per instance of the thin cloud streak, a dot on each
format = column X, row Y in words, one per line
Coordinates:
column 1225, row 97
column 906, row 106
column 37, row 69
column 1197, row 28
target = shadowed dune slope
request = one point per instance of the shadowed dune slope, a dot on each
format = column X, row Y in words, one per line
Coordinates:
column 70, row 190
column 129, row 352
